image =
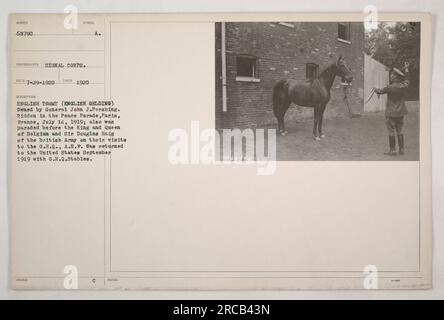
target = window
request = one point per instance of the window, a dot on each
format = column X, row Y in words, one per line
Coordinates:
column 311, row 70
column 344, row 32
column 246, row 68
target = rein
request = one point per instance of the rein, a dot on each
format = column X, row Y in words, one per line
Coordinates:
column 351, row 115
column 371, row 95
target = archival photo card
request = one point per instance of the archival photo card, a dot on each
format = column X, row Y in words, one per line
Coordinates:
column 220, row 151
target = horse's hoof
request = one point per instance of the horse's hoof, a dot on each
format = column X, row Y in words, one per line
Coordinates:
column 283, row 133
column 317, row 139
column 322, row 136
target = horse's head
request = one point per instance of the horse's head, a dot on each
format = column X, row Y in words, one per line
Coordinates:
column 343, row 71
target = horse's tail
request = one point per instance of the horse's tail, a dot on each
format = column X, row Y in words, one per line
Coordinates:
column 279, row 94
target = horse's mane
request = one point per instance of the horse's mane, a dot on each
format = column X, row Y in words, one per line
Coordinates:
column 320, row 74
column 326, row 69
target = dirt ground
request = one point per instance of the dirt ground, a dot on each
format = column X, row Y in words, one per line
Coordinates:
column 363, row 138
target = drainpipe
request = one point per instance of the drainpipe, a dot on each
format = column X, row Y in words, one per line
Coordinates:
column 224, row 70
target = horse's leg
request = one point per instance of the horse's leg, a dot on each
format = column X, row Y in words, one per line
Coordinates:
column 279, row 124
column 282, row 130
column 278, row 110
column 279, row 95
column 315, row 122
column 278, row 114
column 321, row 117
column 285, row 107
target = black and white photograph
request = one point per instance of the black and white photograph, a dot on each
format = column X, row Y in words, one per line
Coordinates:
column 332, row 90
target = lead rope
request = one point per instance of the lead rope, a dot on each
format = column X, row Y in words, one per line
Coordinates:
column 371, row 95
column 351, row 115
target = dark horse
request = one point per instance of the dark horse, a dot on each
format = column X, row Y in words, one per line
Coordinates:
column 314, row 94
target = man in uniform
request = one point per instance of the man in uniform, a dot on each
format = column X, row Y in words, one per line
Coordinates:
column 395, row 109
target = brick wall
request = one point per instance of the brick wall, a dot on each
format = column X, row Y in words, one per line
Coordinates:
column 282, row 52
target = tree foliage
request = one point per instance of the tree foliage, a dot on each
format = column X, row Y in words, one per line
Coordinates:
column 396, row 45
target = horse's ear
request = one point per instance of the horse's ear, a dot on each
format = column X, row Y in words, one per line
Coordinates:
column 340, row 58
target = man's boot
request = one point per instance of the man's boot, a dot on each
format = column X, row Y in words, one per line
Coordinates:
column 401, row 143
column 392, row 143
